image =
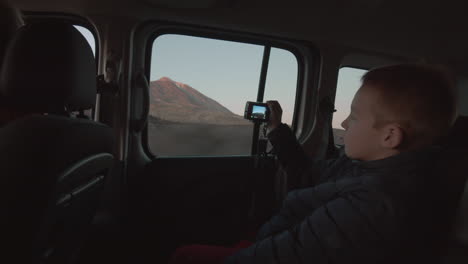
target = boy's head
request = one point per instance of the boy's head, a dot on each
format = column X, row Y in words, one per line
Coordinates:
column 399, row 108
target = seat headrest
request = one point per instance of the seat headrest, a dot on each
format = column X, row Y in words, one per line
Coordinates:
column 49, row 68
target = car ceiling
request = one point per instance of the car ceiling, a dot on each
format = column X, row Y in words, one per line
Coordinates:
column 430, row 29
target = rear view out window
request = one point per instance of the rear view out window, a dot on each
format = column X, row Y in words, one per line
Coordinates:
column 198, row 90
column 349, row 81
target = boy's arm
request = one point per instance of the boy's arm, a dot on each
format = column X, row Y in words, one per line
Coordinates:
column 301, row 171
column 357, row 227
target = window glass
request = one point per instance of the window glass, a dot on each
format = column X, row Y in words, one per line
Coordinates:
column 349, row 81
column 88, row 36
column 198, row 90
column 281, row 81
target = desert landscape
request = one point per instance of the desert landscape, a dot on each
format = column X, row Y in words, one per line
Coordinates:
column 184, row 122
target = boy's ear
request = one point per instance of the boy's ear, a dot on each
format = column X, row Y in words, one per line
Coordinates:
column 393, row 136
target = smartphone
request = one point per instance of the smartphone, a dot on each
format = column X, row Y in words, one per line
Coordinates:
column 256, row 111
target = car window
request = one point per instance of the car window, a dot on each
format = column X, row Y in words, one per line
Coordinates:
column 198, row 91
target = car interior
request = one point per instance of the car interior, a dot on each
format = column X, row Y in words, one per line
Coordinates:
column 135, row 142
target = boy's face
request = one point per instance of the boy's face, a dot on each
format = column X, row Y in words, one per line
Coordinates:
column 362, row 140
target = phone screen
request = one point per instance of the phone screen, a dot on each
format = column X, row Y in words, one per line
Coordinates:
column 259, row 112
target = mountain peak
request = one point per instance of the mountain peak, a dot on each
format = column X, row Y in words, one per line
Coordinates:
column 169, row 80
column 165, row 79
column 178, row 102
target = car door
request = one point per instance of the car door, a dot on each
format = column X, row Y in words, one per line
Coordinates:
column 196, row 173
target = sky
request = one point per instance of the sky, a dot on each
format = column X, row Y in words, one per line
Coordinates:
column 229, row 72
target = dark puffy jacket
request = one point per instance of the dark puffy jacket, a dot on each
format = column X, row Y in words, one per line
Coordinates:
column 384, row 211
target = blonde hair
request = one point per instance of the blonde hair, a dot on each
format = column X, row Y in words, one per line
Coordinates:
column 419, row 97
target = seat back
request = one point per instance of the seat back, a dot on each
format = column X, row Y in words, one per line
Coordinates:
column 461, row 221
column 52, row 165
column 456, row 250
column 71, row 208
column 53, row 171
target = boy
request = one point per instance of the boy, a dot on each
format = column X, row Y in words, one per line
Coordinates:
column 376, row 203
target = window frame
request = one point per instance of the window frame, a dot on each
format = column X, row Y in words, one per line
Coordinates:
column 227, row 35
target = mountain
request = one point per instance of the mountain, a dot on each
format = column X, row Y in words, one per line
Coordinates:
column 178, row 102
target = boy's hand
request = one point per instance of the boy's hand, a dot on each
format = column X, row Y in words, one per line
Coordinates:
column 275, row 115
